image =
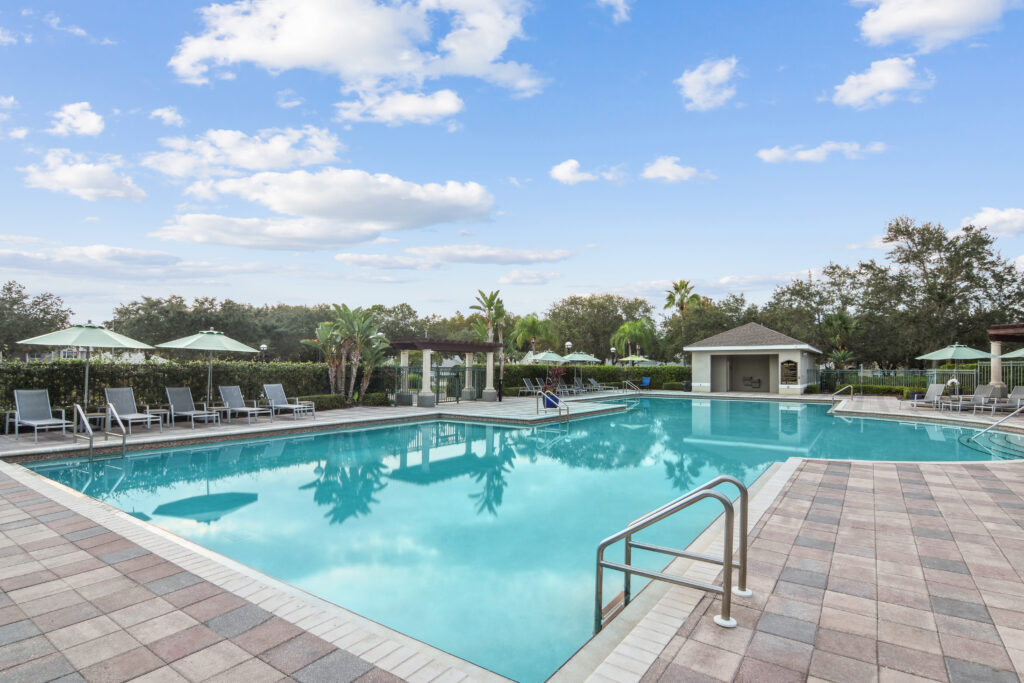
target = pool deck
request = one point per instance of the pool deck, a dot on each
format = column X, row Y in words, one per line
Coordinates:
column 860, row 571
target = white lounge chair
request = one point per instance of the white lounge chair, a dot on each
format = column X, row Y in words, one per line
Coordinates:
column 231, row 396
column 279, row 401
column 122, row 400
column 979, row 399
column 32, row 409
column 180, row 400
column 1012, row 402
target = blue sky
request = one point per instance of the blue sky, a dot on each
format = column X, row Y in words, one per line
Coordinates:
column 362, row 152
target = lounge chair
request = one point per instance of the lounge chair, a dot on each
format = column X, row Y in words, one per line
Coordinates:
column 530, row 390
column 231, row 397
column 979, row 399
column 595, row 386
column 180, row 400
column 1012, row 402
column 122, row 401
column 32, row 409
column 278, row 402
column 932, row 397
column 563, row 389
column 580, row 386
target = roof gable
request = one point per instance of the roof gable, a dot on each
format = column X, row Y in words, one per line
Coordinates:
column 750, row 335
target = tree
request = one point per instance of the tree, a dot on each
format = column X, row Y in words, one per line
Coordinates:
column 23, row 316
column 373, row 352
column 328, row 342
column 634, row 335
column 530, row 329
column 486, row 303
column 590, row 321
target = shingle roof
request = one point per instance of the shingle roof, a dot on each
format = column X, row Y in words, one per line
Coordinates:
column 751, row 334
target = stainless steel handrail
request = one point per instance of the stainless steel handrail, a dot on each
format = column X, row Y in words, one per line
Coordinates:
column 996, row 424
column 79, row 412
column 627, row 384
column 839, row 391
column 726, row 590
column 559, row 403
column 112, row 412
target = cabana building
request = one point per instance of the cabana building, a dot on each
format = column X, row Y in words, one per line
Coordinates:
column 752, row 358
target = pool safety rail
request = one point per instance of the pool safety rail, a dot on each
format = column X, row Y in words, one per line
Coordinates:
column 726, row 590
column 839, row 391
column 996, row 424
column 82, row 423
column 629, row 386
column 548, row 399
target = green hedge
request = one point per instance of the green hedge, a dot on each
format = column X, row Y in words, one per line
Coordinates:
column 673, row 386
column 64, row 379
column 604, row 374
column 327, row 401
column 377, row 399
column 871, row 390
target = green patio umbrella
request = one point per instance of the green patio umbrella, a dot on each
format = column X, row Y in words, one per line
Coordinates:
column 90, row 336
column 548, row 357
column 578, row 357
column 634, row 359
column 212, row 341
column 1019, row 353
column 956, row 352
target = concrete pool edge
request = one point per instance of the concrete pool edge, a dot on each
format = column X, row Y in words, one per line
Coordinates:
column 385, row 648
column 626, row 648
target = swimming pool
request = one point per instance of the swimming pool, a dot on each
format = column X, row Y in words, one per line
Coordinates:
column 477, row 539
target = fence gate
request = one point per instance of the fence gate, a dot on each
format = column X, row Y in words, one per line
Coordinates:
column 447, row 384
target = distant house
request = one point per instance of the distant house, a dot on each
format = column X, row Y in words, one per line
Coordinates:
column 754, row 358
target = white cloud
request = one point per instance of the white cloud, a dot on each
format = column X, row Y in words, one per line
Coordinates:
column 375, row 49
column 876, row 242
column 1000, row 222
column 568, row 172
column 169, row 116
column 7, row 38
column 54, row 22
column 397, row 107
column 881, row 84
column 669, row 170
column 709, row 85
column 328, row 208
column 426, row 258
column 226, row 152
column 620, row 9
column 18, row 133
column 63, row 171
column 850, row 150
column 77, row 119
column 287, row 99
column 929, row 24
column 527, row 277
column 8, row 102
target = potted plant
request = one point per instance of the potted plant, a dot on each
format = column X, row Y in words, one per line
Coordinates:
column 550, row 400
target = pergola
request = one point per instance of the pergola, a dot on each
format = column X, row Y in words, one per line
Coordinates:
column 997, row 334
column 427, row 346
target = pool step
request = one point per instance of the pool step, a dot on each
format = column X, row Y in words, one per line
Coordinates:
column 998, row 444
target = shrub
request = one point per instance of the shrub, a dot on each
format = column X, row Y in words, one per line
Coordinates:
column 672, row 386
column 327, row 401
column 377, row 399
column 812, row 389
column 605, row 374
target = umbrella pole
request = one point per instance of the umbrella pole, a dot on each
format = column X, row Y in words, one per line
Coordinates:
column 209, row 383
column 85, row 394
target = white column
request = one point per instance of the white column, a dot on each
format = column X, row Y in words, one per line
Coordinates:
column 999, row 388
column 468, row 392
column 489, row 394
column 426, row 396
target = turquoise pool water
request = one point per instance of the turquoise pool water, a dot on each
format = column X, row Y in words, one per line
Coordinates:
column 477, row 539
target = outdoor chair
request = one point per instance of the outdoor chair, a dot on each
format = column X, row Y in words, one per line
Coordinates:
column 231, row 397
column 932, row 397
column 1012, row 402
column 122, row 402
column 580, row 387
column 978, row 399
column 32, row 409
column 597, row 386
column 563, row 389
column 180, row 400
column 645, row 383
column 529, row 390
column 278, row 402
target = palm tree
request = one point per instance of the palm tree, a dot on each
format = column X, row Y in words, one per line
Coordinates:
column 530, row 328
column 635, row 332
column 360, row 330
column 328, row 342
column 485, row 303
column 678, row 297
column 373, row 354
column 841, row 358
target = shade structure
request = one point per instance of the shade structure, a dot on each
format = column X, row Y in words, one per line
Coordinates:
column 1019, row 353
column 548, row 357
column 634, row 359
column 956, row 352
column 211, row 341
column 91, row 337
column 580, row 357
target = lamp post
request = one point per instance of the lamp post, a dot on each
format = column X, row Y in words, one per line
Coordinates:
column 568, row 350
column 614, row 352
column 263, row 352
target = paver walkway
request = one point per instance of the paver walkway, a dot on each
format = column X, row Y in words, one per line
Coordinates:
column 874, row 571
column 79, row 602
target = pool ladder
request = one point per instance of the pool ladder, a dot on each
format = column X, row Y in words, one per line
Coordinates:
column 726, row 590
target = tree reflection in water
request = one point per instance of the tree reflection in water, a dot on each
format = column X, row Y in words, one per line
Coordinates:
column 348, row 488
column 493, row 476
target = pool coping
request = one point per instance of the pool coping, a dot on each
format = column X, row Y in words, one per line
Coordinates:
column 386, row 648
